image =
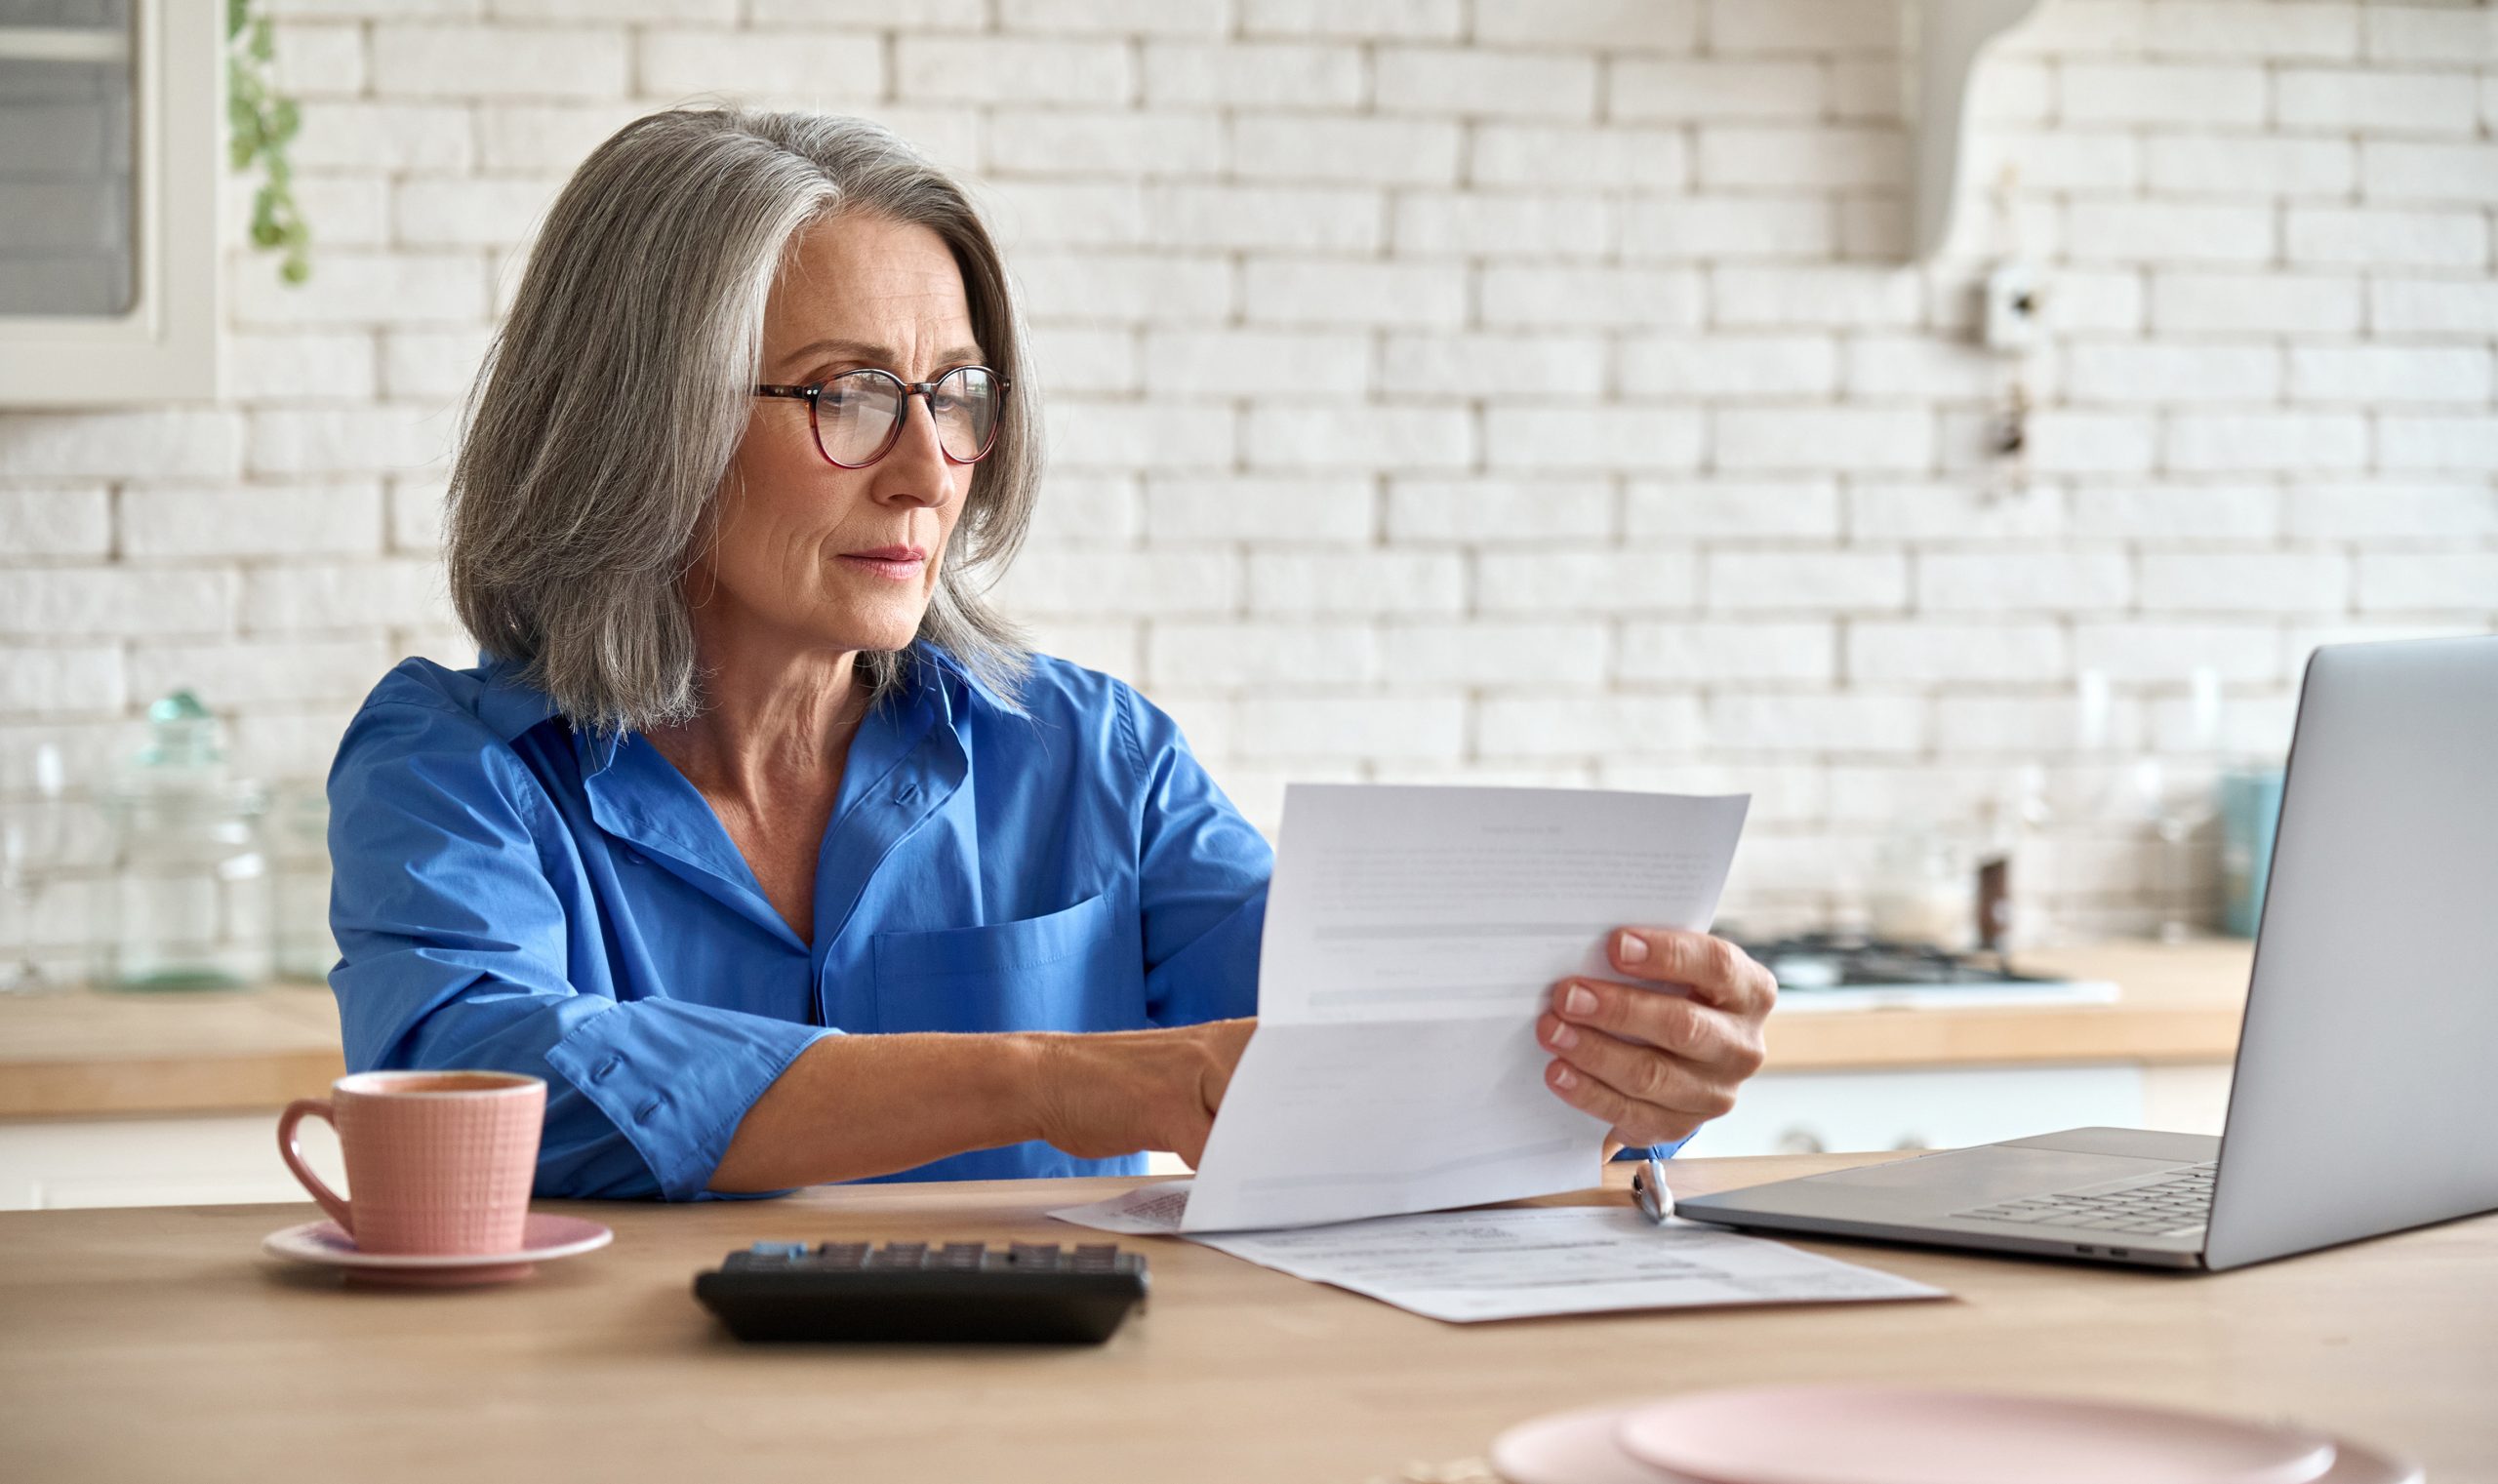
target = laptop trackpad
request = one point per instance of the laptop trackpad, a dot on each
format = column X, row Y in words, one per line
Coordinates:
column 1939, row 1183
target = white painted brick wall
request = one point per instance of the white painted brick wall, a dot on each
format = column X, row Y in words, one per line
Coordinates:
column 2185, row 304
column 2384, row 236
column 1511, row 511
column 422, row 62
column 1449, row 389
column 1622, row 581
column 1589, row 298
column 671, row 62
column 54, row 521
column 342, row 519
column 1565, row 654
column 1858, row 582
column 1371, row 582
column 1336, row 291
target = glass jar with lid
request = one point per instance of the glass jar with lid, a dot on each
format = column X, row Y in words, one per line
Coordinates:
column 189, row 904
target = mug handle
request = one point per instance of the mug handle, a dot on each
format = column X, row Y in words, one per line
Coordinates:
column 331, row 1201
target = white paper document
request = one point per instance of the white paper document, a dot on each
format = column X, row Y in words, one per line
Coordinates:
column 1412, row 935
column 1467, row 1265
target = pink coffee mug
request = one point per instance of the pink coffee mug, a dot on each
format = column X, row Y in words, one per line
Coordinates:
column 439, row 1162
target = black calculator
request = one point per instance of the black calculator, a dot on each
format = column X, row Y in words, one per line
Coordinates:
column 1028, row 1293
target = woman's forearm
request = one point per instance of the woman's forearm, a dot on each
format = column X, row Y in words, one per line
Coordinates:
column 855, row 1105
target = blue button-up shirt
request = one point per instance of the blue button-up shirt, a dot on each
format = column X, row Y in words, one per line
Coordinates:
column 509, row 891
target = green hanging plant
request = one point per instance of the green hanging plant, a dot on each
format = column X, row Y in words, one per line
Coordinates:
column 261, row 124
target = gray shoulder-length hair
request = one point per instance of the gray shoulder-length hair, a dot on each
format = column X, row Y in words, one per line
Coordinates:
column 614, row 395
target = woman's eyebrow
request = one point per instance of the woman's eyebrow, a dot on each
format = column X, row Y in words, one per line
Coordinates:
column 882, row 355
column 862, row 350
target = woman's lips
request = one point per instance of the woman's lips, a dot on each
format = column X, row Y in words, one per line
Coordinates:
column 899, row 564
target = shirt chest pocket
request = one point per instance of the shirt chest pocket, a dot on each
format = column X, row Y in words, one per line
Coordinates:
column 1079, row 969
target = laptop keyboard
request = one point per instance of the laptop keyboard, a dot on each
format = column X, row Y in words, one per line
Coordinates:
column 2173, row 1204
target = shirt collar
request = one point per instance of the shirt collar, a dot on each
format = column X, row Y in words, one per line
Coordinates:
column 636, row 793
column 506, row 702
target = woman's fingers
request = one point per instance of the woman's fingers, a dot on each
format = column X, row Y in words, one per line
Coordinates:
column 1658, row 1063
column 1715, row 970
column 1665, row 1021
column 1640, row 1073
column 1632, row 1121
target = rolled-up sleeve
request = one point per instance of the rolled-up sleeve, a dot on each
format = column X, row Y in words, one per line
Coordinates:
column 1201, row 879
column 467, row 940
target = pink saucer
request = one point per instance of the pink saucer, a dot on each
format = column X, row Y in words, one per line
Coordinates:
column 1581, row 1446
column 543, row 1239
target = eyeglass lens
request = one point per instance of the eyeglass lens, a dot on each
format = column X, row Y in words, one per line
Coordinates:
column 860, row 414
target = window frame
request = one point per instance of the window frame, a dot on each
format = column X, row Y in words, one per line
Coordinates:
column 166, row 344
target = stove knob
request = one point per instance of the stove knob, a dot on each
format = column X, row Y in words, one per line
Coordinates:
column 1799, row 1141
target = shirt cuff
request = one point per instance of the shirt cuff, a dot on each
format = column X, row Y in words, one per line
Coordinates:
column 676, row 1079
column 1662, row 1150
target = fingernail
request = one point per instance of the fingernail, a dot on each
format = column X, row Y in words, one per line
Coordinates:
column 1580, row 1000
column 1632, row 949
column 1564, row 1035
column 1563, row 1076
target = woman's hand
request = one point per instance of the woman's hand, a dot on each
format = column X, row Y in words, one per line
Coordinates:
column 1702, row 1032
column 1115, row 1092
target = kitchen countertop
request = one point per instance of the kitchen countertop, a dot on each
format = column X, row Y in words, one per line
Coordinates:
column 90, row 1052
column 98, row 1053
column 2179, row 1003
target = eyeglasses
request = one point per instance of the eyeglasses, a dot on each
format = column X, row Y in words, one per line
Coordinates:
column 858, row 416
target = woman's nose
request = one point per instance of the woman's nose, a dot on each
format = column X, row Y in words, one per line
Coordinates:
column 918, row 469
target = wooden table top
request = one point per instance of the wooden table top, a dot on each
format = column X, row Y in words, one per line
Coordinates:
column 91, row 1052
column 160, row 1343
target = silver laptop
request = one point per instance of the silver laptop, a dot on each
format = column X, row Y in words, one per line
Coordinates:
column 2366, row 1092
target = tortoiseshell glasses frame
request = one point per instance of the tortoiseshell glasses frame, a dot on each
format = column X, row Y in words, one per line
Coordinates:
column 869, row 407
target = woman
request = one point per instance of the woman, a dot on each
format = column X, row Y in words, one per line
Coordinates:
column 755, row 831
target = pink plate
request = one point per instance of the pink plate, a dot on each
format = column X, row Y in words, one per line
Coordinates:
column 1580, row 1448
column 542, row 1240
column 1909, row 1435
column 1574, row 1448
